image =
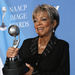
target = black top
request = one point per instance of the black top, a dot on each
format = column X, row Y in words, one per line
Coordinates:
column 53, row 61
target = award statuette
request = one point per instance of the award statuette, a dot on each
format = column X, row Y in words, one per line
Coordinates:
column 14, row 31
column 14, row 66
column 3, row 26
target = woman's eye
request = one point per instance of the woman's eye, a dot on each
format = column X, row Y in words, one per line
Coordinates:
column 44, row 19
column 35, row 21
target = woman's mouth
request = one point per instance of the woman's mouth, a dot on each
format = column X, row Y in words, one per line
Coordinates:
column 40, row 29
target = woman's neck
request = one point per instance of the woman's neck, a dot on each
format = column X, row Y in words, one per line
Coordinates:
column 44, row 39
column 42, row 43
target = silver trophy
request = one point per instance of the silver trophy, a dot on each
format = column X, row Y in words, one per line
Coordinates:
column 14, row 31
column 3, row 26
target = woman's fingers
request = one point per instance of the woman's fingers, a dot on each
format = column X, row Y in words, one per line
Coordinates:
column 30, row 67
column 15, row 52
column 12, row 52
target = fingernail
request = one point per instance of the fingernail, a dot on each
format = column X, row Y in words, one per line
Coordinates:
column 27, row 64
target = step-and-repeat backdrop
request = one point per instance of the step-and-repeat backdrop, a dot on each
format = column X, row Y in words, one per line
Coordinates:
column 19, row 12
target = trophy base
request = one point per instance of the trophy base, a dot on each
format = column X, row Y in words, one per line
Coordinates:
column 3, row 27
column 14, row 68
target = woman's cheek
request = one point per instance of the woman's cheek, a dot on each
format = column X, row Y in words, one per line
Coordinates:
column 36, row 29
column 35, row 26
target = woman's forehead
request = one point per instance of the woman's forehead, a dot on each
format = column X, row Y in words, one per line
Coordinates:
column 40, row 14
column 39, row 11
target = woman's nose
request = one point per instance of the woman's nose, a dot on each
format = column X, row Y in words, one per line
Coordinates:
column 39, row 23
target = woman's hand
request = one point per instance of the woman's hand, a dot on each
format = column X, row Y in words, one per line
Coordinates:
column 30, row 71
column 12, row 52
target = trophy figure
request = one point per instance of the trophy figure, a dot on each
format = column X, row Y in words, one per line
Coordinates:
column 3, row 27
column 14, row 66
column 14, row 31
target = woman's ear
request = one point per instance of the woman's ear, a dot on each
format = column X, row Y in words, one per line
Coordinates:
column 54, row 23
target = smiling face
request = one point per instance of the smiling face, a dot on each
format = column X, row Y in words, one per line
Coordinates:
column 42, row 23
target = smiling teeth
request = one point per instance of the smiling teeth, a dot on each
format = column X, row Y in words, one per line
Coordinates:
column 40, row 28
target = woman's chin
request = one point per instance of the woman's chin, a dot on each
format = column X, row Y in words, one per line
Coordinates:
column 41, row 35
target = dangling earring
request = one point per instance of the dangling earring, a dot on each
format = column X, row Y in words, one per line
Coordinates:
column 53, row 31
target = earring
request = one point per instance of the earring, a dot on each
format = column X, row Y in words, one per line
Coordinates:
column 53, row 31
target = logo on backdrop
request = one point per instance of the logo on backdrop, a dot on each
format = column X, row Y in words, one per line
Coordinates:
column 18, row 15
column 57, row 7
column 3, row 26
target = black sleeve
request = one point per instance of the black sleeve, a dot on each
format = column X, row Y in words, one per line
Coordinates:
column 24, row 52
column 64, row 68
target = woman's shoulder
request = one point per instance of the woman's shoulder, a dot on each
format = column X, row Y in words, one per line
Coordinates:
column 62, row 42
column 27, row 43
column 29, row 40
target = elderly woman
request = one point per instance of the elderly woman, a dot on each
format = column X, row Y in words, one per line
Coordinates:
column 44, row 54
